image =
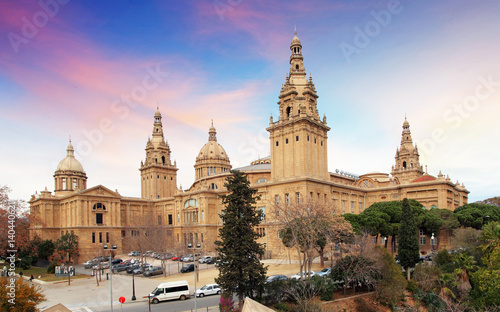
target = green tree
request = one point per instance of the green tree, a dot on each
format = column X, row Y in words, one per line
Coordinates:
column 68, row 243
column 27, row 295
column 45, row 249
column 390, row 288
column 477, row 215
column 240, row 270
column 408, row 253
column 490, row 238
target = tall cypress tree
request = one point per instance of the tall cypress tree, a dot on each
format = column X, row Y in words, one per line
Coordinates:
column 240, row 270
column 408, row 251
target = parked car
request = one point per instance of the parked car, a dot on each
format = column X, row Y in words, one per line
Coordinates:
column 324, row 273
column 304, row 274
column 210, row 289
column 134, row 254
column 176, row 258
column 186, row 258
column 153, row 271
column 138, row 270
column 89, row 264
column 132, row 267
column 278, row 277
column 187, row 268
column 213, row 260
column 205, row 259
column 116, row 261
column 119, row 267
column 99, row 259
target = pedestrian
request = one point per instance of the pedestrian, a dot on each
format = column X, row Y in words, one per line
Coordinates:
column 31, row 278
column 21, row 274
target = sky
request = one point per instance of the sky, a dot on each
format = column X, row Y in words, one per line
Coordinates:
column 96, row 71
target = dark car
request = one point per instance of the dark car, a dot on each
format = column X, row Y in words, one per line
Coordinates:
column 274, row 278
column 154, row 271
column 133, row 267
column 119, row 267
column 116, row 261
column 213, row 260
column 187, row 268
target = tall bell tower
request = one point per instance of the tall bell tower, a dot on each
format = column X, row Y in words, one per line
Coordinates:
column 158, row 175
column 407, row 167
column 299, row 136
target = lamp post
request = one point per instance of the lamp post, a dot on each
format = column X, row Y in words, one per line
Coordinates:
column 432, row 242
column 133, row 287
column 198, row 246
column 113, row 247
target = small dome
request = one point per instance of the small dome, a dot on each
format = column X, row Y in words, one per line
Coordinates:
column 295, row 39
column 212, row 149
column 70, row 163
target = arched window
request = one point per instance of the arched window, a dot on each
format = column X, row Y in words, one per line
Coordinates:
column 99, row 206
column 288, row 111
column 191, row 202
column 404, row 164
column 213, row 186
column 163, row 159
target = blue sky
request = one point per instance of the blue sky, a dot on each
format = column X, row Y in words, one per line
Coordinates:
column 65, row 67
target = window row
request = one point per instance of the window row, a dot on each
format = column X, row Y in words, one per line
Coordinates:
column 297, row 139
column 100, row 237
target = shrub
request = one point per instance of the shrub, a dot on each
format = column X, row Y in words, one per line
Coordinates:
column 280, row 306
column 52, row 268
column 226, row 304
column 412, row 286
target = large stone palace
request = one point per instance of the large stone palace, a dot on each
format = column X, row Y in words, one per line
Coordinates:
column 296, row 170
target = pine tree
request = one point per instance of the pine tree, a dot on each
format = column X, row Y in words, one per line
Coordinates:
column 240, row 270
column 408, row 252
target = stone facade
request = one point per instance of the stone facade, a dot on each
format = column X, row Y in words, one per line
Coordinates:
column 296, row 171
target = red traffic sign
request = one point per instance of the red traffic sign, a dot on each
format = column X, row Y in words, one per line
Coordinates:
column 121, row 299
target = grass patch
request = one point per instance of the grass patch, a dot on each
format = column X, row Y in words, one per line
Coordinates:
column 41, row 274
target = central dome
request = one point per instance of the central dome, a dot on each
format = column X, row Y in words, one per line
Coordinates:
column 212, row 149
column 70, row 163
column 212, row 158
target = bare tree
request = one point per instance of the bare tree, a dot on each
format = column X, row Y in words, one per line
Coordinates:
column 310, row 226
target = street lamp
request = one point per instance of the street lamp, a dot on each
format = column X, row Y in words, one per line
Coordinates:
column 198, row 246
column 432, row 242
column 133, row 287
column 113, row 247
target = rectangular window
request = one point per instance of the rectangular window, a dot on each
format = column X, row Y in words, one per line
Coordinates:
column 203, row 216
column 298, row 197
column 63, row 183
column 93, row 237
column 297, row 138
column 123, row 233
column 277, row 144
column 107, row 237
column 170, row 221
column 422, row 240
column 262, row 213
column 352, row 207
column 287, row 199
column 277, row 199
column 286, row 141
column 98, row 218
column 75, row 184
column 100, row 237
column 360, row 207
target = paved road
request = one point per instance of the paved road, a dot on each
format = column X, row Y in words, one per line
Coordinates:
column 206, row 304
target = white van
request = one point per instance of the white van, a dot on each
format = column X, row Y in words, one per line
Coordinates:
column 169, row 291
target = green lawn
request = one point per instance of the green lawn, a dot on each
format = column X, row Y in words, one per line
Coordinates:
column 41, row 274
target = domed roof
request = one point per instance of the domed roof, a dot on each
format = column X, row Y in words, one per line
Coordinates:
column 212, row 149
column 70, row 163
column 424, row 178
column 295, row 39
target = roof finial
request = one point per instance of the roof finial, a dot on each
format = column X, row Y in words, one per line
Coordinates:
column 295, row 32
